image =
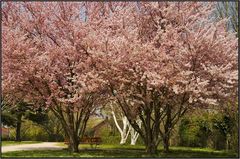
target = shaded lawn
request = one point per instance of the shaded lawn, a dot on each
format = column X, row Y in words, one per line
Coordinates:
column 8, row 143
column 122, row 151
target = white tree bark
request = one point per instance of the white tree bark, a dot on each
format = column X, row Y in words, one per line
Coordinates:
column 134, row 134
column 124, row 132
column 126, row 128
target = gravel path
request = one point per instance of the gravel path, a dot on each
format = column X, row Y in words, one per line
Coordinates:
column 37, row 146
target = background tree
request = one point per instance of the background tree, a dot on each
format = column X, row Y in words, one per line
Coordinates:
column 13, row 115
column 228, row 10
column 6, row 116
column 124, row 127
column 49, row 123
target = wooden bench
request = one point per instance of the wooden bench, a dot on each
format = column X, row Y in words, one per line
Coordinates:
column 91, row 140
column 88, row 140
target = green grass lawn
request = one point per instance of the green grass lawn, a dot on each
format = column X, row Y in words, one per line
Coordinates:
column 8, row 143
column 121, row 151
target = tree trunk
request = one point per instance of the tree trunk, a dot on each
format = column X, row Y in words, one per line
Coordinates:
column 123, row 139
column 73, row 144
column 167, row 127
column 134, row 139
column 166, row 143
column 123, row 131
column 134, row 134
column 151, row 148
column 18, row 128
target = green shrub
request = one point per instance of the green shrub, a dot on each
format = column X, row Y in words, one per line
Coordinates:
column 33, row 132
column 194, row 131
column 214, row 130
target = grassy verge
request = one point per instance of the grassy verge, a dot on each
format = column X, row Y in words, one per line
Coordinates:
column 8, row 143
column 126, row 151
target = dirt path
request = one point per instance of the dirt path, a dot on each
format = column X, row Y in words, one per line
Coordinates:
column 37, row 146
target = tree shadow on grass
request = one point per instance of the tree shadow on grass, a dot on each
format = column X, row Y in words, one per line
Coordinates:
column 196, row 153
column 129, row 153
column 126, row 153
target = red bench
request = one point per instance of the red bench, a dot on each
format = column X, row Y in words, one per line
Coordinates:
column 88, row 140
